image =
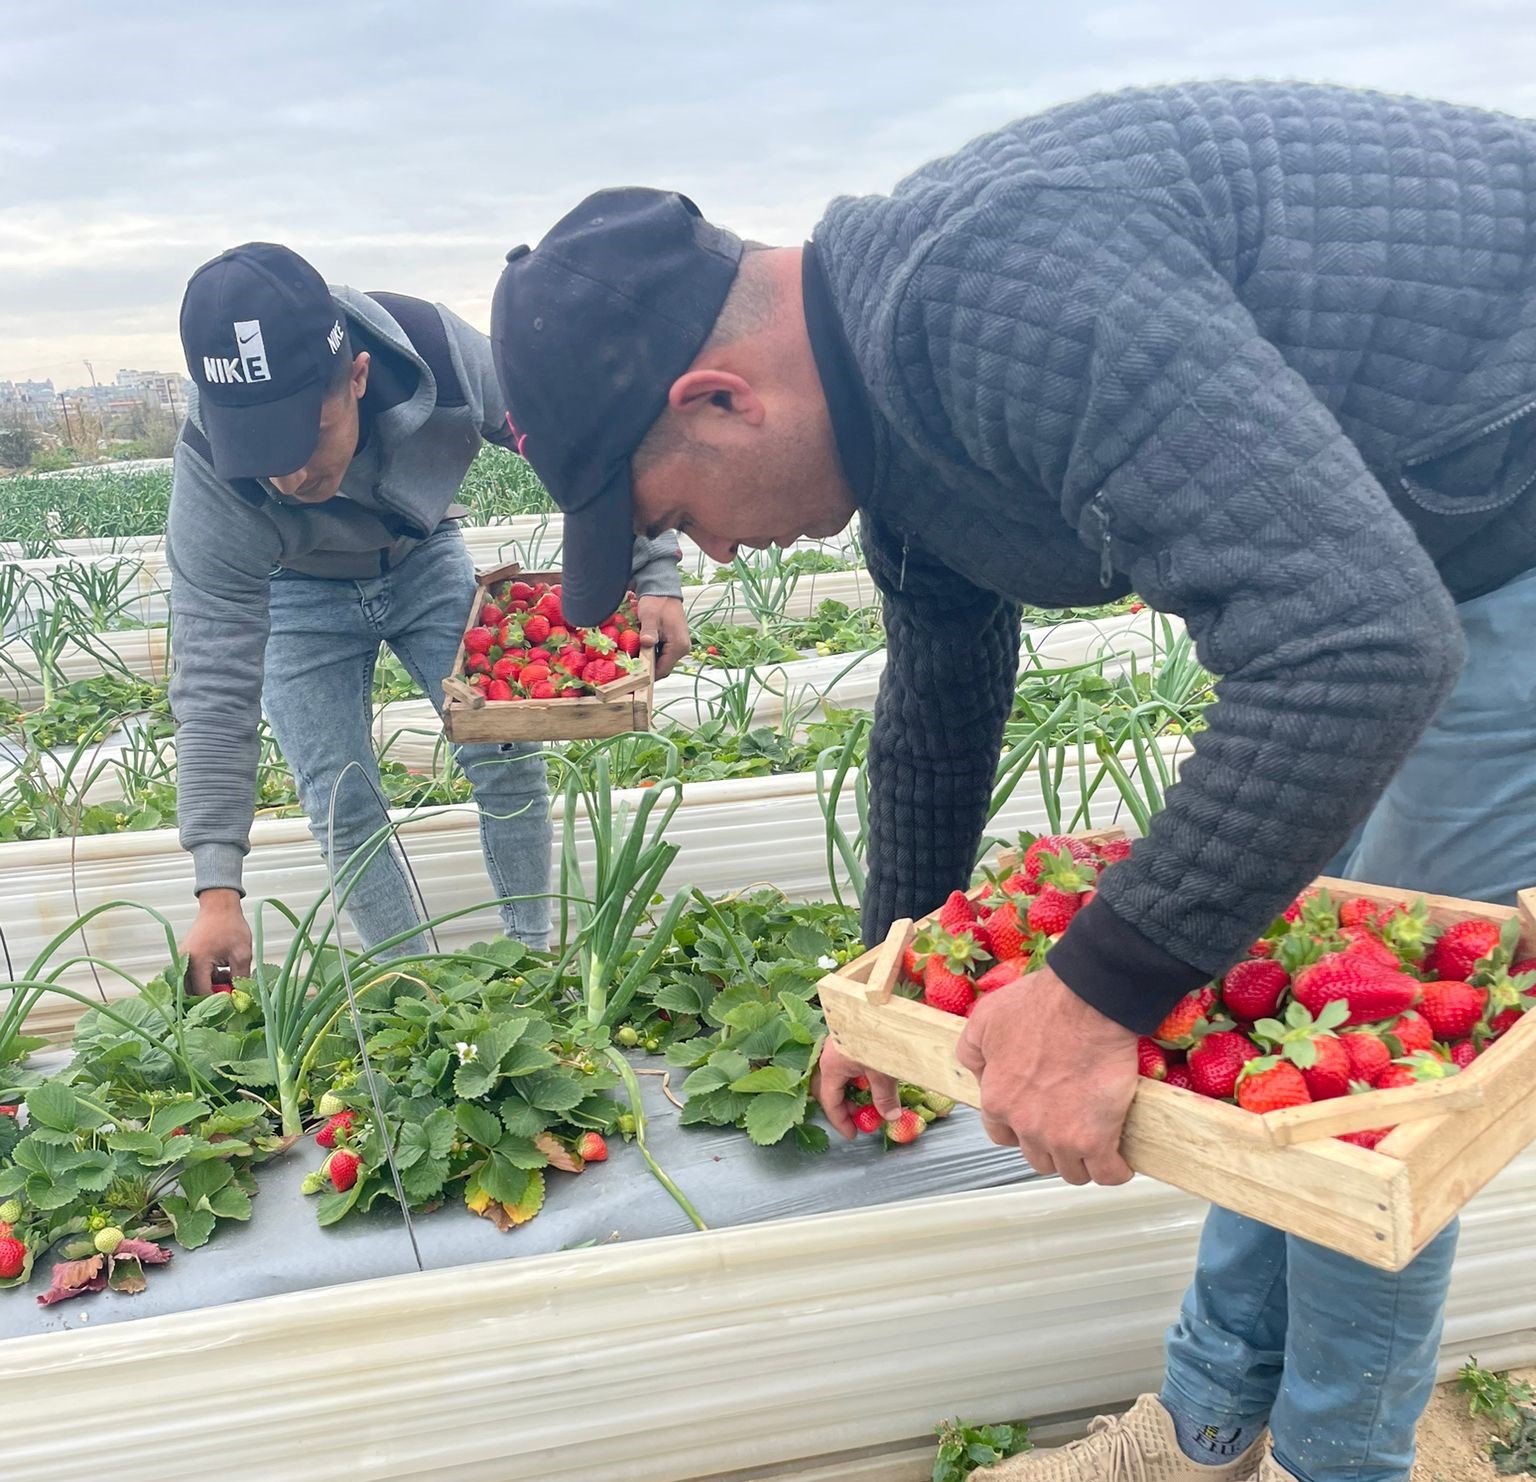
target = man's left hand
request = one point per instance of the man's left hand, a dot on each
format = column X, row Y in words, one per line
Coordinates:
column 1056, row 1076
column 664, row 627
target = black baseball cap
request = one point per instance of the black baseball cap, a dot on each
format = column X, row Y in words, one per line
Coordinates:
column 589, row 332
column 261, row 334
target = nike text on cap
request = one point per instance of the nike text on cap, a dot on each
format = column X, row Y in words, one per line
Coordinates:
column 261, row 334
column 589, row 332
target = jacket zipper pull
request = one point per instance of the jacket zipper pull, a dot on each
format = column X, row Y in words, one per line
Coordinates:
column 901, row 580
column 1106, row 564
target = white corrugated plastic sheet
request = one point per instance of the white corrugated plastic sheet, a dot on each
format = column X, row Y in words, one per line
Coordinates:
column 681, row 1359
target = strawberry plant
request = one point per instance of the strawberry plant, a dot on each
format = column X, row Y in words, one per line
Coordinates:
column 965, row 1446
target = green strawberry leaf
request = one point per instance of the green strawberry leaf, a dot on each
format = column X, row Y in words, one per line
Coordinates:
column 478, row 1124
column 53, row 1104
column 772, row 1114
column 335, row 1204
column 768, row 1078
column 193, row 1227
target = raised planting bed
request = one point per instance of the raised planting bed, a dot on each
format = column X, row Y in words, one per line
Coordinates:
column 1453, row 1125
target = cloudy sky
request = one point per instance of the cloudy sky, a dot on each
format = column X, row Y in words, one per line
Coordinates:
column 406, row 145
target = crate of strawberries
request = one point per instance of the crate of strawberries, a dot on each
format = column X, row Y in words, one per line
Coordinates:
column 1354, row 1080
column 524, row 674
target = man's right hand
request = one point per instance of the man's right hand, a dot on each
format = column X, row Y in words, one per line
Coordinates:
column 834, row 1071
column 219, row 938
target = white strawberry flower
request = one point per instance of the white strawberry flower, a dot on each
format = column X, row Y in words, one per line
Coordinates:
column 466, row 1051
column 826, row 963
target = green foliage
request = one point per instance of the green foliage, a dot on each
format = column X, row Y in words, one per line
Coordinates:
column 964, row 1446
column 1511, row 1406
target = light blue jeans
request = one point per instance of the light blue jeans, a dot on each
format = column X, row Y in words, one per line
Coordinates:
column 1340, row 1356
column 317, row 695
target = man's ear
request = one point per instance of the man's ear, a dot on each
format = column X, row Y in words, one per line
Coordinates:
column 360, row 373
column 715, row 393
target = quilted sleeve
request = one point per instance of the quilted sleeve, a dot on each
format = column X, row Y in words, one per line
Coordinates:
column 952, row 657
column 1081, row 345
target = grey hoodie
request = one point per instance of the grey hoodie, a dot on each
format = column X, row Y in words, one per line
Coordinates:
column 223, row 544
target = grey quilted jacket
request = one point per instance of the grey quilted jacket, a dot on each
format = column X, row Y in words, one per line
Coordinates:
column 1265, row 353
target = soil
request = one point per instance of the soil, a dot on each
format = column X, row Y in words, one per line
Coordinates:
column 1452, row 1446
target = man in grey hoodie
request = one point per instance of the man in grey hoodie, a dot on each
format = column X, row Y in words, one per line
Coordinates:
column 313, row 518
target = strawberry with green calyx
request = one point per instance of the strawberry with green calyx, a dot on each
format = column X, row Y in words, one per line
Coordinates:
column 629, row 643
column 957, row 916
column 947, row 981
column 1367, row 1053
column 342, row 1167
column 11, row 1211
column 916, row 954
column 1409, row 1034
column 1252, row 990
column 1151, row 1059
column 1371, row 993
column 1300, row 1036
column 1055, row 846
column 940, row 1106
column 1217, row 1061
column 108, row 1239
column 337, row 1127
column 1459, row 950
column 592, row 1148
column 330, row 1104
column 1412, row 1070
column 1069, row 873
column 1052, row 911
column 906, row 1127
column 1407, row 930
column 1187, row 1020
column 478, row 640
column 1006, row 934
column 1271, row 1084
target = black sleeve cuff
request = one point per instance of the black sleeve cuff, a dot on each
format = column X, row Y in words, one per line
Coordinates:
column 1112, row 967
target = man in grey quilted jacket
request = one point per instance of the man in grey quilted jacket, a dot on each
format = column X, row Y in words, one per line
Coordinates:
column 1265, row 354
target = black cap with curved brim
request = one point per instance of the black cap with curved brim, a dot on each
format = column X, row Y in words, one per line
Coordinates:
column 261, row 334
column 589, row 332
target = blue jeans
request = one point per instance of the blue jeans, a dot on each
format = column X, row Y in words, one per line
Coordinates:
column 317, row 695
column 1340, row 1356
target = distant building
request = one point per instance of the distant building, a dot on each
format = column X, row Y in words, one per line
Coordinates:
column 36, row 397
column 164, row 389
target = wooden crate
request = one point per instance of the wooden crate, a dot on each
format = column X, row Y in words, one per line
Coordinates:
column 624, row 705
column 1286, row 1168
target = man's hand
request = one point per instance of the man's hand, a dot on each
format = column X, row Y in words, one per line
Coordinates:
column 1056, row 1076
column 830, row 1086
column 664, row 627
column 219, row 938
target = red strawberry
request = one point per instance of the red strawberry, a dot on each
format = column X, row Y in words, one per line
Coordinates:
column 498, row 689
column 1179, row 1076
column 908, row 1127
column 1329, row 1075
column 1460, row 948
column 946, row 982
column 533, row 673
column 1252, row 989
column 520, row 591
column 1001, row 974
column 1453, row 1009
column 9, row 1111
column 1217, row 1061
column 13, row 1257
column 1360, row 910
column 1114, row 851
column 478, row 640
column 956, row 912
column 1412, row 1032
column 860, row 1083
column 591, row 1148
column 1367, row 1055
column 1177, row 1031
column 1368, row 948
column 1005, row 933
column 1394, row 1076
column 1293, row 911
column 340, row 1124
column 1151, row 1059
column 1367, row 1139
column 548, row 606
column 1016, row 884
column 1052, row 911
column 504, row 668
column 491, row 614
column 1053, row 844
column 1463, row 1054
column 1269, row 1084
column 867, row 1119
column 543, row 690
column 540, row 656
column 629, row 642
column 916, row 955
column 1370, row 993
column 343, row 1168
column 536, row 628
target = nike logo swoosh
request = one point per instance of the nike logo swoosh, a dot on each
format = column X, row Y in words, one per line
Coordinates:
column 246, row 339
